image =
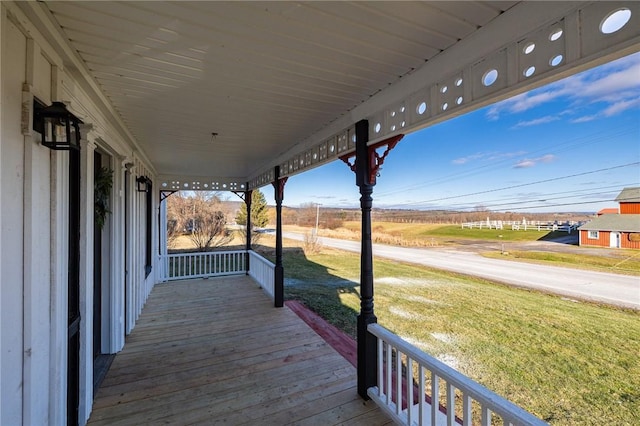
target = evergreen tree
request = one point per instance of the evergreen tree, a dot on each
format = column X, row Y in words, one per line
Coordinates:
column 259, row 214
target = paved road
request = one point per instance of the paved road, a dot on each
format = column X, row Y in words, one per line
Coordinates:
column 619, row 290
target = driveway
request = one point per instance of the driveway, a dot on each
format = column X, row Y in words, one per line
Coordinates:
column 614, row 289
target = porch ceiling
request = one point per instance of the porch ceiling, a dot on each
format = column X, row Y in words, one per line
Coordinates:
column 274, row 79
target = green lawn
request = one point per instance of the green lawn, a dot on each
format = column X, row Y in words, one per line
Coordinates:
column 621, row 261
column 427, row 231
column 569, row 363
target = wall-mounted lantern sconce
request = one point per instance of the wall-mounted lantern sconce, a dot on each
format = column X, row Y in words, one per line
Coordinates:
column 143, row 184
column 59, row 128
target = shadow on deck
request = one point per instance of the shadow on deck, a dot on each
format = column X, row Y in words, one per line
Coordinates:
column 217, row 352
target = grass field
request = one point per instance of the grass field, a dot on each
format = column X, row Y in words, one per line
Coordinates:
column 435, row 235
column 620, row 261
column 423, row 234
column 569, row 363
column 427, row 231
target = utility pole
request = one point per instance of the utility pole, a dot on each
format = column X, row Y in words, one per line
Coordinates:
column 317, row 218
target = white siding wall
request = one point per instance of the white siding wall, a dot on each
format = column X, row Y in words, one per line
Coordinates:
column 34, row 231
column 14, row 45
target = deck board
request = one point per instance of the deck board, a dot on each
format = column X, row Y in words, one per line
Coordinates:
column 217, row 352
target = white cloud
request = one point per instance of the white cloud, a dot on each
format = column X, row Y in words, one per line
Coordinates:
column 487, row 156
column 616, row 85
column 536, row 121
column 530, row 162
column 464, row 160
column 584, row 119
column 618, row 107
column 524, row 164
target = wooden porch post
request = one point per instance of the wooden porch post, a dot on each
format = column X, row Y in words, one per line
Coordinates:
column 278, row 185
column 247, row 201
column 367, row 353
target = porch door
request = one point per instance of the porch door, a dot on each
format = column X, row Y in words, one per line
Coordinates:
column 614, row 239
column 73, row 310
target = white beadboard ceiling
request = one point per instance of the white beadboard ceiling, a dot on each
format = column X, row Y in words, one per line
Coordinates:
column 262, row 75
column 274, row 78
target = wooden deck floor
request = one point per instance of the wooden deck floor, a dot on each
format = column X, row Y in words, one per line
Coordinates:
column 217, row 352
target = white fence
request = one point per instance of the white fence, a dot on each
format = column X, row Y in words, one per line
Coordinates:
column 523, row 225
column 182, row 266
column 261, row 270
column 416, row 389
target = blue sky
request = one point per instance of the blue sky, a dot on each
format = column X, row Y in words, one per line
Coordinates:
column 568, row 146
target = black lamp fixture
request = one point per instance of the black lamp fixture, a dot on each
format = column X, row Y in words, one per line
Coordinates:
column 143, row 184
column 59, row 128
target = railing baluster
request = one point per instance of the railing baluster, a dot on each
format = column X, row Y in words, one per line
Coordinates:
column 435, row 397
column 389, row 366
column 422, row 396
column 451, row 405
column 466, row 410
column 398, row 381
column 380, row 366
column 486, row 416
column 409, row 378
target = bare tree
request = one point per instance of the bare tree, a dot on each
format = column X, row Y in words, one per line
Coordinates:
column 201, row 217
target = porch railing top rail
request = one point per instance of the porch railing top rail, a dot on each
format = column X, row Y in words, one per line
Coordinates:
column 409, row 406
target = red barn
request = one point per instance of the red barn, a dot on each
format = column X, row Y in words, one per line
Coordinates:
column 616, row 230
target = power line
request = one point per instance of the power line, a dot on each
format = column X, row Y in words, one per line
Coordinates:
column 555, row 148
column 546, row 197
column 555, row 179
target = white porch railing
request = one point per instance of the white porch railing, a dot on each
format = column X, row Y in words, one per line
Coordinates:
column 435, row 393
column 182, row 266
column 261, row 270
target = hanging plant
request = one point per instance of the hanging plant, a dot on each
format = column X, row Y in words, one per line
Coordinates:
column 103, row 182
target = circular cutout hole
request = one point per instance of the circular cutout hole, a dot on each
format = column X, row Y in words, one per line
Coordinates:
column 315, row 156
column 401, row 109
column 393, row 113
column 224, row 185
column 444, row 89
column 445, row 106
column 490, row 77
column 555, row 35
column 332, row 148
column 615, row 20
column 186, row 185
column 164, row 184
column 353, row 138
column 555, row 61
column 528, row 48
column 458, row 82
column 393, row 128
column 421, row 108
column 402, row 124
column 529, row 71
column 459, row 100
column 377, row 128
column 206, row 185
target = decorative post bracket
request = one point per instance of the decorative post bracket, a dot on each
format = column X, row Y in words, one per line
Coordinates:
column 164, row 194
column 375, row 160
